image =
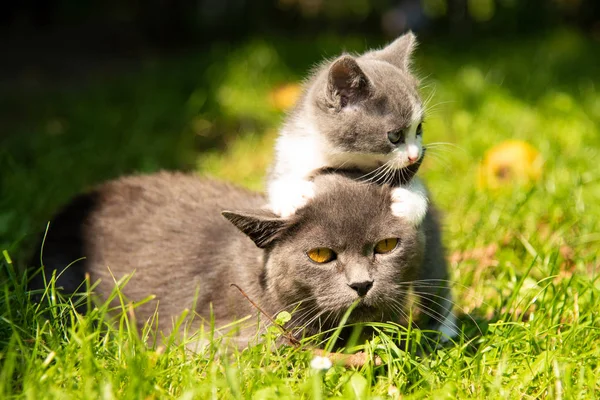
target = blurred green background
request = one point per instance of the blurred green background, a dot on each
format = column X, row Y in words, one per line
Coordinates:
column 94, row 90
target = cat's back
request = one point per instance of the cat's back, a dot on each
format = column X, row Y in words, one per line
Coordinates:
column 174, row 189
column 161, row 226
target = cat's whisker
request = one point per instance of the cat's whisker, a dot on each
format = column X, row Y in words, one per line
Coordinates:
column 442, row 157
column 430, row 312
column 444, row 146
column 429, row 98
column 446, row 164
column 329, row 314
column 399, row 308
column 388, row 168
column 440, row 152
column 376, row 172
column 305, row 316
column 430, row 109
column 453, row 304
column 403, row 174
column 310, row 321
column 389, row 175
column 383, row 171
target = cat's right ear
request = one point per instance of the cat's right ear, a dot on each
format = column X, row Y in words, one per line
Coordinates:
column 347, row 83
column 262, row 226
column 399, row 52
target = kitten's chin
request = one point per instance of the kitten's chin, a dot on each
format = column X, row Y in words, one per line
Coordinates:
column 362, row 161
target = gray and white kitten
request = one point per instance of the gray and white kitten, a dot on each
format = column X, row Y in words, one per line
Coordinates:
column 169, row 231
column 360, row 113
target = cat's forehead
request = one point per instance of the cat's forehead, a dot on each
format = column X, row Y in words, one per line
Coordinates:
column 394, row 92
column 345, row 211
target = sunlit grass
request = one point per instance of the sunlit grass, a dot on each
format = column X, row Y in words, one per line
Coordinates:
column 524, row 259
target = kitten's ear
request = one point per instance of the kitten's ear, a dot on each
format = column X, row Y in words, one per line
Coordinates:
column 347, row 83
column 262, row 226
column 399, row 52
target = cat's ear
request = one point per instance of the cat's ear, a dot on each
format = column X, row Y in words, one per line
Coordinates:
column 262, row 226
column 399, row 52
column 346, row 83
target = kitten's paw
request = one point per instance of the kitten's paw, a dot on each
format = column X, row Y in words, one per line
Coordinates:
column 409, row 204
column 286, row 198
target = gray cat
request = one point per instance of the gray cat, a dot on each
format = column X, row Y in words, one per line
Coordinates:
column 168, row 228
column 362, row 112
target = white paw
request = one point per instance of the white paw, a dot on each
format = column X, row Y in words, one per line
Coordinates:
column 287, row 197
column 410, row 204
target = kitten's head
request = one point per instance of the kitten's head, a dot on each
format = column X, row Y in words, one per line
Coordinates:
column 345, row 245
column 368, row 108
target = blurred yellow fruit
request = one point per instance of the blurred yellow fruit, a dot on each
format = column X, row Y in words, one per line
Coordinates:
column 285, row 96
column 509, row 163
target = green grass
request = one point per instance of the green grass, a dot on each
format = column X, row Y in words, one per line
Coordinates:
column 524, row 259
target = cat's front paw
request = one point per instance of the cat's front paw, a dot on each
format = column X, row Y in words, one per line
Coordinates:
column 409, row 204
column 287, row 197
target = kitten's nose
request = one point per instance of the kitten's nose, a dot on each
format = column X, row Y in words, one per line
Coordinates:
column 361, row 287
column 413, row 158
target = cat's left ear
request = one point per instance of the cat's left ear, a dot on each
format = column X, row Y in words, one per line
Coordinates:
column 346, row 82
column 262, row 226
column 399, row 52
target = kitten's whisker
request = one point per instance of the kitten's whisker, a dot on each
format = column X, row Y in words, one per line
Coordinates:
column 430, row 108
column 376, row 172
column 434, row 144
column 381, row 172
column 387, row 171
column 429, row 98
column 439, row 159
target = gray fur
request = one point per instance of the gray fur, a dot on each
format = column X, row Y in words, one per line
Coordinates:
column 168, row 228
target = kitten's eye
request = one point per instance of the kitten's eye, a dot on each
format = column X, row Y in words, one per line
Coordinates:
column 386, row 245
column 420, row 129
column 321, row 255
column 396, row 136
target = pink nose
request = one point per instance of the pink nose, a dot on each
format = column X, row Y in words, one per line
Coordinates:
column 413, row 159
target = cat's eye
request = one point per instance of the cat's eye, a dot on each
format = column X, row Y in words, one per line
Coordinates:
column 321, row 255
column 386, row 245
column 396, row 136
column 420, row 130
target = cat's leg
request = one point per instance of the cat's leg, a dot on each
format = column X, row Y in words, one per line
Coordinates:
column 410, row 201
column 448, row 327
column 287, row 196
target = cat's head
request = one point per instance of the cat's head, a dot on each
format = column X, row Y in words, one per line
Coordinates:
column 345, row 245
column 368, row 109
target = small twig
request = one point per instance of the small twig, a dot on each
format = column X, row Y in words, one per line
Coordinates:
column 285, row 332
column 348, row 360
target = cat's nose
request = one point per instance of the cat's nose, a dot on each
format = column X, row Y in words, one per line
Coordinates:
column 361, row 287
column 413, row 158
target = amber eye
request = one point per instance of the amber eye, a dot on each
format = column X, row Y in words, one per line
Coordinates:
column 321, row 255
column 386, row 245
